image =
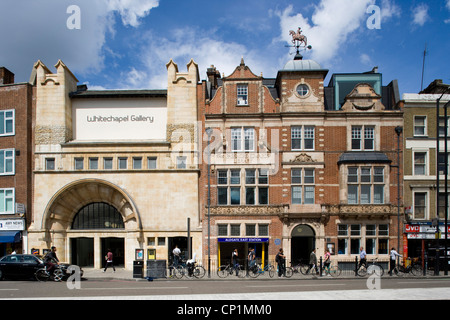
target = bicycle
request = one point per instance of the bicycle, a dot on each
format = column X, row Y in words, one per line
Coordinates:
column 305, row 269
column 267, row 268
column 288, row 271
column 43, row 275
column 190, row 270
column 413, row 268
column 332, row 270
column 228, row 269
column 374, row 268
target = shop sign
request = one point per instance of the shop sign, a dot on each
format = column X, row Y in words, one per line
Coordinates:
column 12, row 225
column 249, row 240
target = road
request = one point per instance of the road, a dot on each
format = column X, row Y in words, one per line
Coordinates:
column 225, row 290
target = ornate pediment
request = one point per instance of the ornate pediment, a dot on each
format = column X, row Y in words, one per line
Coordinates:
column 303, row 158
column 363, row 98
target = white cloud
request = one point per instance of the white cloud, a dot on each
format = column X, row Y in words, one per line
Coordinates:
column 43, row 33
column 205, row 49
column 331, row 25
column 365, row 59
column 420, row 14
column 389, row 9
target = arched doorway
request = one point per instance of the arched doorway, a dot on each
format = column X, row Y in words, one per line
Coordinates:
column 303, row 241
column 97, row 216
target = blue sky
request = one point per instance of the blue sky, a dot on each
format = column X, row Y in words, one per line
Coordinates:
column 125, row 44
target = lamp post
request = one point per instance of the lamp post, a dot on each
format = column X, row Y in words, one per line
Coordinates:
column 398, row 131
column 209, row 133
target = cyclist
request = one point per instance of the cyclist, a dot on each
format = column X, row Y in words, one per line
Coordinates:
column 49, row 260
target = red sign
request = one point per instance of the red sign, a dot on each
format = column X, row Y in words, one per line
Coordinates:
column 412, row 228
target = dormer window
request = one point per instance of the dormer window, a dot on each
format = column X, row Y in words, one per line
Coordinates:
column 302, row 90
column 242, row 95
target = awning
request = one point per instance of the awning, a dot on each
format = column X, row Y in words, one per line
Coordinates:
column 363, row 157
column 10, row 236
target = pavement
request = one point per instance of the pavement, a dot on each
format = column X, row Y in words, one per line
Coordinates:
column 123, row 274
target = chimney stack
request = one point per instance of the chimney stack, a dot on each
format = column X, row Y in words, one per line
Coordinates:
column 6, row 76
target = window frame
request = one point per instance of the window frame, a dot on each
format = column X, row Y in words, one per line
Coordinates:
column 6, row 119
column 10, row 197
column 8, row 160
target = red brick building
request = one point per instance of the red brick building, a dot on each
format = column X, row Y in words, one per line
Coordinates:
column 300, row 165
column 16, row 155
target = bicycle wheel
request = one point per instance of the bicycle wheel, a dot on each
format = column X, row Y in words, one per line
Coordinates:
column 271, row 270
column 362, row 271
column 179, row 272
column 375, row 270
column 400, row 271
column 253, row 272
column 417, row 270
column 289, row 272
column 199, row 272
column 335, row 271
column 223, row 271
column 42, row 275
column 241, row 272
column 304, row 269
column 58, row 275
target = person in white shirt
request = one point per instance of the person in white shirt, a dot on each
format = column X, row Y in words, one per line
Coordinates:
column 176, row 256
column 394, row 254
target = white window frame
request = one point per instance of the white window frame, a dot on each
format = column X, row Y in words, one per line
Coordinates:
column 303, row 184
column 12, row 198
column 303, row 134
column 5, row 121
column 425, row 164
column 366, row 182
column 243, row 139
column 363, row 134
column 427, row 204
column 422, row 127
column 242, row 94
column 8, row 158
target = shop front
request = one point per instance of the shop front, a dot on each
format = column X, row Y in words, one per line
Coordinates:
column 421, row 237
column 11, row 236
column 226, row 247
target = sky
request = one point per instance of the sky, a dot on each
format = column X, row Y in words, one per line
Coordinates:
column 126, row 44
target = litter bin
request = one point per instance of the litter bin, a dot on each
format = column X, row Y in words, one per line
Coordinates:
column 138, row 267
column 156, row 269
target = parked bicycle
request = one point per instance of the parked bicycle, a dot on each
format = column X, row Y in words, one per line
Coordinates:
column 413, row 267
column 189, row 270
column 370, row 269
column 257, row 270
column 228, row 269
column 43, row 275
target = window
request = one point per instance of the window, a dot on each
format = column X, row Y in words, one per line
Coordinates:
column 302, row 190
column 242, row 94
column 93, row 163
column 442, row 123
column 98, row 215
column 420, row 163
column 123, row 163
column 222, row 230
column 137, row 163
column 363, row 138
column 235, row 230
column 255, row 185
column 7, row 201
column 242, row 139
column 151, row 162
column 107, row 163
column 7, row 120
column 50, row 164
column 307, row 143
column 181, row 162
column 420, row 205
column 263, row 230
column 79, row 163
column 250, row 230
column 7, row 162
column 365, row 185
column 420, row 126
column 302, row 90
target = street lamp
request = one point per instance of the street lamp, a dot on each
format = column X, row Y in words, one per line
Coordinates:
column 398, row 131
column 209, row 133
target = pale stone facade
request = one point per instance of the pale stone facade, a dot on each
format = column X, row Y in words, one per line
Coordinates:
column 140, row 178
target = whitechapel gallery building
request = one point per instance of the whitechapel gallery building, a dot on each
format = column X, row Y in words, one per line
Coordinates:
column 115, row 169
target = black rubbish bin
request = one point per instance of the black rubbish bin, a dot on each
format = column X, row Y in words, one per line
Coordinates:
column 138, row 267
column 156, row 269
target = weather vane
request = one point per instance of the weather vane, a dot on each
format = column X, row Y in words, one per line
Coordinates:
column 299, row 41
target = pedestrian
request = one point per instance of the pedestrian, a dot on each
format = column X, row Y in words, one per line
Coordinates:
column 280, row 259
column 362, row 258
column 109, row 261
column 327, row 261
column 251, row 257
column 176, row 256
column 313, row 261
column 235, row 261
column 393, row 256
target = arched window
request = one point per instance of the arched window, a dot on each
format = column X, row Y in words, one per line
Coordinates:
column 98, row 215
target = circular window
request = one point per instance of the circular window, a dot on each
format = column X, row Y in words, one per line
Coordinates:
column 302, row 90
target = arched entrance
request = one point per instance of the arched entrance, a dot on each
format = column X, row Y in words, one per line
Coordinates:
column 303, row 241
